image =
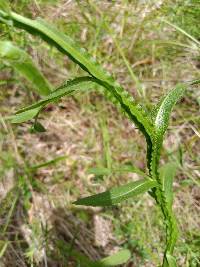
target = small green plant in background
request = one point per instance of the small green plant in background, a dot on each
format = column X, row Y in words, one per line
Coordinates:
column 159, row 180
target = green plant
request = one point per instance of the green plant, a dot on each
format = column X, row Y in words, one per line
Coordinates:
column 153, row 126
column 23, row 64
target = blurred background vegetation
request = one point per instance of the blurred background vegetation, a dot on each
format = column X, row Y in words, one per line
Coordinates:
column 149, row 46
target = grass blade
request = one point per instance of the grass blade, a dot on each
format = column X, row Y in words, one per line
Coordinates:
column 107, row 157
column 3, row 247
column 117, row 194
column 183, row 32
column 24, row 65
column 47, row 163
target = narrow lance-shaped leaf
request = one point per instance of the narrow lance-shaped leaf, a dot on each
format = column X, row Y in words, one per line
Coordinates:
column 167, row 174
column 162, row 120
column 25, row 114
column 136, row 113
column 117, row 194
column 163, row 114
column 120, row 169
column 24, row 65
column 69, row 88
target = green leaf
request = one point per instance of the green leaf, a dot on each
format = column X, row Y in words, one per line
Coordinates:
column 37, row 128
column 121, row 169
column 69, row 88
column 76, row 85
column 171, row 260
column 161, row 122
column 163, row 114
column 167, row 174
column 117, row 194
column 24, row 116
column 120, row 257
column 24, row 65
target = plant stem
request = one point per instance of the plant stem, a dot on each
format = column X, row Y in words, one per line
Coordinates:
column 169, row 219
column 159, row 196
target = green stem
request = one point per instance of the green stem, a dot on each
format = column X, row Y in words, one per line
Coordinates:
column 169, row 218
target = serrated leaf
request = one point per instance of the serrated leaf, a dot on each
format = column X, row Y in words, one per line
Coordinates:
column 167, row 174
column 120, row 257
column 24, row 116
column 23, row 64
column 117, row 194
